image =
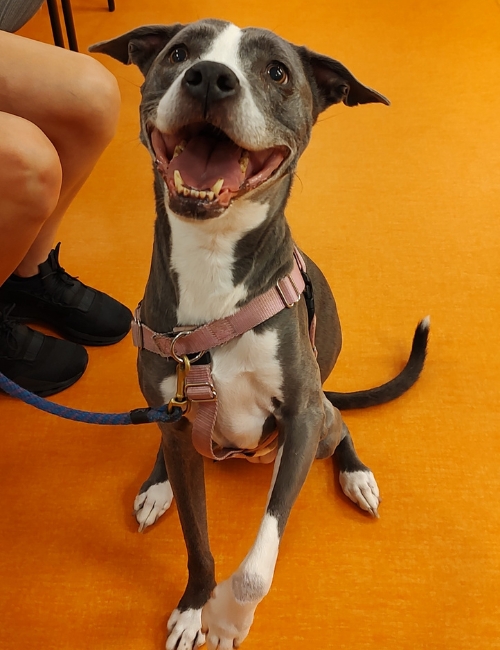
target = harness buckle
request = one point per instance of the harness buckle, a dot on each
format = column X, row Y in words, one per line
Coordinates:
column 137, row 333
column 203, row 395
column 281, row 292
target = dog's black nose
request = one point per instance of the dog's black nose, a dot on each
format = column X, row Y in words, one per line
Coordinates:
column 210, row 82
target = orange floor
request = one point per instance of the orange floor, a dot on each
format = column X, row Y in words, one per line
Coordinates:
column 400, row 206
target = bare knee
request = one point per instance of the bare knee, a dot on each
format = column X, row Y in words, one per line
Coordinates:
column 94, row 116
column 30, row 171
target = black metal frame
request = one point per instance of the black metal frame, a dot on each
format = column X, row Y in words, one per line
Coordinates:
column 55, row 22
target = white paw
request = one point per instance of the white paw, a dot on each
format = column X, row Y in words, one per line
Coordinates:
column 225, row 620
column 150, row 505
column 361, row 487
column 185, row 630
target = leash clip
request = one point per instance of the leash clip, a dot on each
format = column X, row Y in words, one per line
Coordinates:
column 180, row 400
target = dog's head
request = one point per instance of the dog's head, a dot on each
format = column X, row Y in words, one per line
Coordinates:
column 227, row 112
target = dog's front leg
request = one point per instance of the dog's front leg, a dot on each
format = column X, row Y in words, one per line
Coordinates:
column 185, row 471
column 228, row 615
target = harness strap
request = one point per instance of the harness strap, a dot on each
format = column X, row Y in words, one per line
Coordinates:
column 200, row 390
column 285, row 294
column 199, row 387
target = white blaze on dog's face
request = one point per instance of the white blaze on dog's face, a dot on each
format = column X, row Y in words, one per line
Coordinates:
column 226, row 112
column 248, row 120
column 219, row 131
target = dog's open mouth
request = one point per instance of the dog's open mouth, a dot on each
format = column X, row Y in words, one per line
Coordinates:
column 204, row 166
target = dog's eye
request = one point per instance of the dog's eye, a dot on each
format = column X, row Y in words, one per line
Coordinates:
column 178, row 54
column 277, row 72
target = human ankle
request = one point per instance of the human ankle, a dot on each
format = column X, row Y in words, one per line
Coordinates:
column 29, row 268
column 25, row 271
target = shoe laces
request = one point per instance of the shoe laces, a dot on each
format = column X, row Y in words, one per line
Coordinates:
column 61, row 280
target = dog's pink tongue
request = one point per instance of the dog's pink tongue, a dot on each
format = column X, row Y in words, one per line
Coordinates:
column 205, row 160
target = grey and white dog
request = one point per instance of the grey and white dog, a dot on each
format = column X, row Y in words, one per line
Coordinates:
column 226, row 114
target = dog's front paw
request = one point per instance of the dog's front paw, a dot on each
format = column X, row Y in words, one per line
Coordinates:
column 225, row 620
column 151, row 504
column 184, row 630
column 361, row 487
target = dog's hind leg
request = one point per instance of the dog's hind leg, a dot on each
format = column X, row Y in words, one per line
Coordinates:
column 356, row 479
column 333, row 431
column 155, row 495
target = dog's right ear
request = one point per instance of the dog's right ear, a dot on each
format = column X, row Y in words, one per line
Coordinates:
column 140, row 46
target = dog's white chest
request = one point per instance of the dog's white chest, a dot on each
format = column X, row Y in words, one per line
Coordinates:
column 246, row 371
column 205, row 278
column 247, row 376
column 202, row 259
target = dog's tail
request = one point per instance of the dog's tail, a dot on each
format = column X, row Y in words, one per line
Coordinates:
column 395, row 387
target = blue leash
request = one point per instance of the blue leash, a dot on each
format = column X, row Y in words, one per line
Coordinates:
column 136, row 416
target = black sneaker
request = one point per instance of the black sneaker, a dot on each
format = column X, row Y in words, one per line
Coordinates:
column 77, row 312
column 42, row 364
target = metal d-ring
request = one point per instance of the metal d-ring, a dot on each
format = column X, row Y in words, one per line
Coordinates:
column 173, row 353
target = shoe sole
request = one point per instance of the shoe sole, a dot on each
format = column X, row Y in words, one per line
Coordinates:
column 47, row 391
column 73, row 335
column 88, row 339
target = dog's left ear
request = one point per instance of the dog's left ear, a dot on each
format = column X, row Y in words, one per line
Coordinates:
column 331, row 83
column 140, row 46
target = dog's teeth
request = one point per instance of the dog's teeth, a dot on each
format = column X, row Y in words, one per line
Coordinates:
column 181, row 188
column 216, row 187
column 179, row 149
column 179, row 183
column 244, row 161
column 210, row 196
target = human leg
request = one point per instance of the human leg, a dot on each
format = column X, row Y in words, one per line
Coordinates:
column 74, row 101
column 30, row 185
column 58, row 111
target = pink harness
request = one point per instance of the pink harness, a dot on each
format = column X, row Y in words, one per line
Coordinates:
column 198, row 384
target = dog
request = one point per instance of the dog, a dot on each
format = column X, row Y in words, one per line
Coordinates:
column 226, row 114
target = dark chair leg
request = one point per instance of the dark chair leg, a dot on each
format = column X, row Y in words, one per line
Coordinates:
column 55, row 23
column 111, row 5
column 70, row 25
